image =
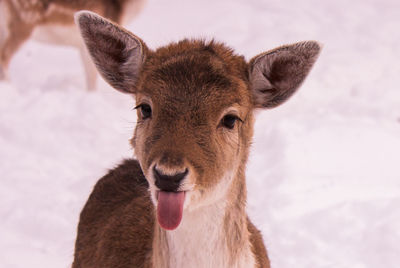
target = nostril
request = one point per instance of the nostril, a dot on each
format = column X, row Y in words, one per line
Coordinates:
column 168, row 182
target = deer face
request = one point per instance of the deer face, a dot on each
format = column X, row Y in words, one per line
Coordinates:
column 195, row 103
column 194, row 120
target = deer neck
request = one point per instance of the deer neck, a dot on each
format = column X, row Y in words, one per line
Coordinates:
column 215, row 235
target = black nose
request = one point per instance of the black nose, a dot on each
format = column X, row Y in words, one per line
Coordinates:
column 168, row 183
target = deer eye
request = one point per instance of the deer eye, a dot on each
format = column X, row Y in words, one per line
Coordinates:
column 145, row 110
column 229, row 121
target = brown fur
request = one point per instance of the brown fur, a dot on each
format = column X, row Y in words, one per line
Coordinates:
column 191, row 86
column 112, row 209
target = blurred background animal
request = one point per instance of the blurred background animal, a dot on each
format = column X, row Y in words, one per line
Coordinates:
column 52, row 21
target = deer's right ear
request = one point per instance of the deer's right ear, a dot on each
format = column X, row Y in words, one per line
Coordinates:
column 117, row 53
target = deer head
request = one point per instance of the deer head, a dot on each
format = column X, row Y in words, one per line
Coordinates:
column 195, row 103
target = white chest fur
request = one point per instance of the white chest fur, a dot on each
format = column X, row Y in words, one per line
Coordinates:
column 201, row 241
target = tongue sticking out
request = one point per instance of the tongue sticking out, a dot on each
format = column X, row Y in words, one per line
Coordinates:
column 169, row 209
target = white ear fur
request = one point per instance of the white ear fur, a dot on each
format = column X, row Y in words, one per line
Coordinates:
column 117, row 53
column 276, row 74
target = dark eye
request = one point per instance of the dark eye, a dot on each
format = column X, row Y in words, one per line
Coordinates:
column 145, row 110
column 229, row 121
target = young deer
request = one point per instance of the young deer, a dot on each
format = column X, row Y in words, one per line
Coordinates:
column 182, row 203
column 53, row 21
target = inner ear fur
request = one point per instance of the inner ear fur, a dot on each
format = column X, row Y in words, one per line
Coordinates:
column 117, row 53
column 276, row 74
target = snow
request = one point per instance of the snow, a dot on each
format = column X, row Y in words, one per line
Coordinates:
column 324, row 172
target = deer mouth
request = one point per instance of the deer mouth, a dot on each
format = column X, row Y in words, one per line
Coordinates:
column 170, row 209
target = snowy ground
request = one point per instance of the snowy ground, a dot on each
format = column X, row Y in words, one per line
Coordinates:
column 324, row 173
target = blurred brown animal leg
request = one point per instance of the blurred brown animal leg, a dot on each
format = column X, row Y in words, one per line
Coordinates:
column 90, row 69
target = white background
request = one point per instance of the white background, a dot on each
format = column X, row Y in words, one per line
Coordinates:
column 324, row 173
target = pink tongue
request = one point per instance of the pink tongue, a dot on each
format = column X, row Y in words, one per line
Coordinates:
column 169, row 209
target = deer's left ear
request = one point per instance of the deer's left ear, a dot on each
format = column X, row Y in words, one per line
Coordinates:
column 117, row 53
column 275, row 75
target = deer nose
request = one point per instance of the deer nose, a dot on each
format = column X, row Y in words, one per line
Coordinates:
column 168, row 183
